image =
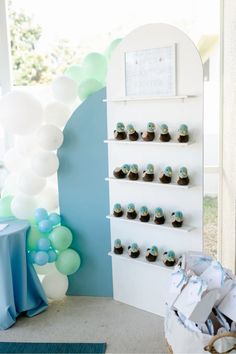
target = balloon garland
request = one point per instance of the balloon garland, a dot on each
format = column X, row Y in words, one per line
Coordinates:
column 29, row 191
column 91, row 75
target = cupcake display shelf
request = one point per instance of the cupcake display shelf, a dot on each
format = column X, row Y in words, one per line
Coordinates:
column 148, row 98
column 165, row 226
column 148, row 143
column 141, row 182
column 142, row 260
column 141, row 99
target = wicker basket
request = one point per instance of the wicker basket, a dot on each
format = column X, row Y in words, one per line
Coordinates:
column 181, row 340
column 210, row 347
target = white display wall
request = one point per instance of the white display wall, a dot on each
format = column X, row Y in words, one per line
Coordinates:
column 136, row 281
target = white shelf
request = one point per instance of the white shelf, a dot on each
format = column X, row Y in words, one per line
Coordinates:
column 142, row 260
column 148, row 98
column 165, row 226
column 141, row 142
column 141, row 182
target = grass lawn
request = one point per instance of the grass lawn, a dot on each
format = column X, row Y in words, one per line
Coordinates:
column 210, row 226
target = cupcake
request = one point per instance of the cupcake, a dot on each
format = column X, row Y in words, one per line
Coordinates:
column 177, row 218
column 117, row 210
column 149, row 135
column 183, row 179
column 148, row 174
column 151, row 254
column 118, row 249
column 169, row 258
column 119, row 133
column 121, row 172
column 183, row 133
column 165, row 135
column 133, row 250
column 133, row 172
column 165, row 175
column 159, row 217
column 144, row 215
column 132, row 134
column 131, row 212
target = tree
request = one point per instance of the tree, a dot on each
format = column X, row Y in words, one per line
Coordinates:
column 29, row 64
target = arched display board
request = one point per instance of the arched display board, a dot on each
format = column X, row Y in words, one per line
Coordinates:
column 137, row 282
column 83, row 195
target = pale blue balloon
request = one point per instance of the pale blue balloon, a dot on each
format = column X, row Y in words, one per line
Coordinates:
column 55, row 219
column 45, row 226
column 52, row 256
column 40, row 214
column 31, row 256
column 41, row 258
column 43, row 244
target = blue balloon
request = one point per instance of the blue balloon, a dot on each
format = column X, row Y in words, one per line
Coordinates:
column 45, row 226
column 31, row 256
column 41, row 258
column 40, row 214
column 43, row 244
column 52, row 256
column 55, row 219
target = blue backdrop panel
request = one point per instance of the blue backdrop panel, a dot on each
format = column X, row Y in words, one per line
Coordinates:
column 83, row 195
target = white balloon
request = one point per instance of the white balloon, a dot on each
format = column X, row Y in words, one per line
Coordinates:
column 23, row 207
column 26, row 145
column 44, row 163
column 20, row 112
column 30, row 184
column 49, row 137
column 64, row 89
column 52, row 181
column 55, row 285
column 57, row 113
column 48, row 199
column 13, row 161
column 10, row 185
column 46, row 269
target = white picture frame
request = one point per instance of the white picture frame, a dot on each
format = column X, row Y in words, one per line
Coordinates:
column 151, row 72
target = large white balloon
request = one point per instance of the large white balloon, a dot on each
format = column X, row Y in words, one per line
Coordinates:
column 49, row 137
column 30, row 184
column 10, row 185
column 25, row 145
column 44, row 163
column 13, row 161
column 52, row 181
column 57, row 113
column 48, row 199
column 46, row 269
column 55, row 285
column 20, row 113
column 64, row 89
column 23, row 207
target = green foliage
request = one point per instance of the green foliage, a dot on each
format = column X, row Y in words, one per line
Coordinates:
column 210, row 225
column 31, row 65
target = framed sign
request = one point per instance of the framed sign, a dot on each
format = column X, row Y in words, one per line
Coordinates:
column 151, row 72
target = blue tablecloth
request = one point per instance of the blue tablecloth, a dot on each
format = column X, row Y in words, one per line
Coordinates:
column 20, row 288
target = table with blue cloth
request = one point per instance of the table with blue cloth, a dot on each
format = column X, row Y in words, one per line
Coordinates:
column 20, row 288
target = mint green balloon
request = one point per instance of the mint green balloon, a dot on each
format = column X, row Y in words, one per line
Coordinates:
column 68, row 262
column 5, row 207
column 95, row 67
column 88, row 87
column 61, row 238
column 112, row 46
column 33, row 236
column 75, row 72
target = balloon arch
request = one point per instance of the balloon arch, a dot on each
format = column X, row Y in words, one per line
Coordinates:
column 29, row 190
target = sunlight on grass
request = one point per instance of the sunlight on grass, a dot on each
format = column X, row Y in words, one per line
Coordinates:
column 210, row 226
